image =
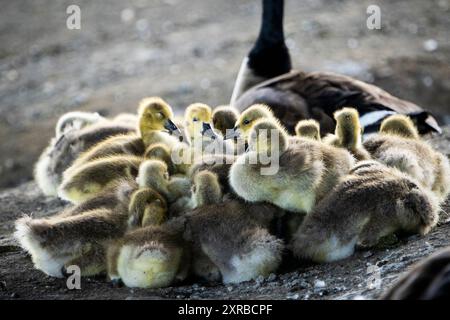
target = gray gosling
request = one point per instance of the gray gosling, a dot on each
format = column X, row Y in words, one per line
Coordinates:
column 373, row 201
column 399, row 145
column 90, row 179
column 70, row 142
column 80, row 235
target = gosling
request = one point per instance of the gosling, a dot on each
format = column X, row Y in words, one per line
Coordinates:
column 373, row 201
column 90, row 179
column 348, row 133
column 224, row 118
column 68, row 144
column 309, row 129
column 293, row 176
column 77, row 235
column 399, row 145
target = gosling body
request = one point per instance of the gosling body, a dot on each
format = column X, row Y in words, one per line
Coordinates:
column 373, row 201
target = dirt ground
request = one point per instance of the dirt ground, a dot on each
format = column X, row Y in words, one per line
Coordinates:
column 188, row 51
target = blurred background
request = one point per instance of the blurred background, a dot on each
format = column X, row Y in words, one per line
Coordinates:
column 190, row 51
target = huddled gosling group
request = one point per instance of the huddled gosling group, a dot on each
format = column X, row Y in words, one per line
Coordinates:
column 148, row 220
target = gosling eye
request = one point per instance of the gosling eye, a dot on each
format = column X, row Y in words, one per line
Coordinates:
column 195, row 119
column 159, row 115
column 194, row 188
column 246, row 121
column 166, row 176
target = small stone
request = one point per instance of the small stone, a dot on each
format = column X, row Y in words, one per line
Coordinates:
column 319, row 284
column 272, row 277
column 259, row 280
column 352, row 43
column 367, row 254
column 14, row 295
column 127, row 15
column 142, row 25
column 12, row 75
column 430, row 45
column 293, row 297
column 230, row 288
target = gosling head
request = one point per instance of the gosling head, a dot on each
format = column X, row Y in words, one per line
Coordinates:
column 308, row 129
column 269, row 136
column 147, row 207
column 206, row 188
column 160, row 151
column 154, row 115
column 75, row 120
column 348, row 128
column 154, row 174
column 399, row 125
column 195, row 115
column 248, row 118
column 224, row 118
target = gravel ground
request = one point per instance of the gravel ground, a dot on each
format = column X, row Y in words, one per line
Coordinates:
column 188, row 51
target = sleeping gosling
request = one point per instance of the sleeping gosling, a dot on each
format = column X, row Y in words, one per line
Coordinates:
column 373, row 201
column 399, row 145
column 90, row 179
column 66, row 147
column 78, row 235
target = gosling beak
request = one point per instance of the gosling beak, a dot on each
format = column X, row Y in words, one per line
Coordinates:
column 172, row 128
column 232, row 134
column 208, row 131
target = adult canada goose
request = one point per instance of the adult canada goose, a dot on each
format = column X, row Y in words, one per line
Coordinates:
column 266, row 77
